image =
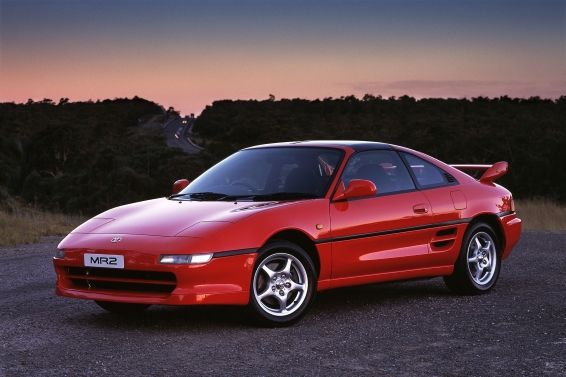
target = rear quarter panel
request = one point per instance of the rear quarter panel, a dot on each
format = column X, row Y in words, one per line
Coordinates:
column 481, row 199
column 495, row 200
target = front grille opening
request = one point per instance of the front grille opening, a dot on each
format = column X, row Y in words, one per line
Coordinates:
column 119, row 273
column 122, row 280
column 122, row 286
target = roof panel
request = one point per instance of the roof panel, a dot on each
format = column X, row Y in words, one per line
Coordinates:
column 357, row 145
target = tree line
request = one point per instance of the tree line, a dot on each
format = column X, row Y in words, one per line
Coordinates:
column 528, row 133
column 85, row 157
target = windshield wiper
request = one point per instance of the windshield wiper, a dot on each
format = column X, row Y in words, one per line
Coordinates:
column 255, row 197
column 200, row 195
column 176, row 196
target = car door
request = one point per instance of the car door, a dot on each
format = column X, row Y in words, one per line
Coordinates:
column 383, row 233
column 448, row 203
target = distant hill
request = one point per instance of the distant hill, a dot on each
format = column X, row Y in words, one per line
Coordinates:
column 85, row 157
column 528, row 133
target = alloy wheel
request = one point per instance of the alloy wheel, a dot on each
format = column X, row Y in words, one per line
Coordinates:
column 280, row 284
column 482, row 258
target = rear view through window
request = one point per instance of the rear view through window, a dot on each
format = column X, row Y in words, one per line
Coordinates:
column 427, row 174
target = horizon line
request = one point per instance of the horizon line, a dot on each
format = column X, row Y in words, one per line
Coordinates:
column 271, row 98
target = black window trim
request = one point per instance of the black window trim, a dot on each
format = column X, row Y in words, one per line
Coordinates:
column 415, row 180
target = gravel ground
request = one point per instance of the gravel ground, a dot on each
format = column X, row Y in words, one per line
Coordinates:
column 398, row 329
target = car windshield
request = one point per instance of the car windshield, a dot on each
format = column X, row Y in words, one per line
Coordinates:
column 267, row 174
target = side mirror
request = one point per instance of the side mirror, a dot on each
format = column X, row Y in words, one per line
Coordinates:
column 179, row 185
column 357, row 188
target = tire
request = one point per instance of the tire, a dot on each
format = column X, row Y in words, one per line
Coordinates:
column 122, row 308
column 477, row 269
column 283, row 284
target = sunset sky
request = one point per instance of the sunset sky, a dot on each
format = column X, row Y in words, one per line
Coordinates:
column 187, row 54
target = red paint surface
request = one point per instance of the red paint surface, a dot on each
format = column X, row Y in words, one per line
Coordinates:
column 160, row 226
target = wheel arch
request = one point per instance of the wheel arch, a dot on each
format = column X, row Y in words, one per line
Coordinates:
column 493, row 221
column 300, row 238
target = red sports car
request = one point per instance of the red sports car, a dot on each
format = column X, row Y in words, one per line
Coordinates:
column 272, row 225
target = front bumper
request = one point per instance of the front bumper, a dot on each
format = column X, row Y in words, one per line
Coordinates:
column 224, row 280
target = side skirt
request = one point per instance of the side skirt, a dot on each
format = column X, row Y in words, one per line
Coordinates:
column 387, row 276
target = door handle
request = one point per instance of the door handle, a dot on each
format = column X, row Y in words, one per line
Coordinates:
column 420, row 208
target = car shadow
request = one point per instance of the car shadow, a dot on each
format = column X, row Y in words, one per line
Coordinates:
column 160, row 318
column 381, row 293
column 404, row 291
column 333, row 302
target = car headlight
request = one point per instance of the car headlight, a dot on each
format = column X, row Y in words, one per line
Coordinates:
column 186, row 258
column 60, row 254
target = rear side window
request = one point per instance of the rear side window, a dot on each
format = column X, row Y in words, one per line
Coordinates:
column 384, row 168
column 427, row 174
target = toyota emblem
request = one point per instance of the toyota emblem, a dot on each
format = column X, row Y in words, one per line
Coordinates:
column 116, row 239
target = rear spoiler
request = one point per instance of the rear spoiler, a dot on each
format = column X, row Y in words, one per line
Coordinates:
column 489, row 173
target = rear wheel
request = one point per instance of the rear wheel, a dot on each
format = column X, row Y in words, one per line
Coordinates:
column 122, row 308
column 477, row 268
column 283, row 284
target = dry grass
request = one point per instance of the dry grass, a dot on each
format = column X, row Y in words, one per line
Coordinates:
column 542, row 214
column 28, row 225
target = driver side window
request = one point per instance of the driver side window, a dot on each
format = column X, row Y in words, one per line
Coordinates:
column 384, row 168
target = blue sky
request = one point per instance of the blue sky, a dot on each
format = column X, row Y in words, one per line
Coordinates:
column 188, row 54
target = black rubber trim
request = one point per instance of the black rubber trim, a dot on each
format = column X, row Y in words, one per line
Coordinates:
column 363, row 147
column 231, row 253
column 393, row 231
column 505, row 213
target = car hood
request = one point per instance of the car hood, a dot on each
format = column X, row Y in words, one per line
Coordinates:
column 163, row 217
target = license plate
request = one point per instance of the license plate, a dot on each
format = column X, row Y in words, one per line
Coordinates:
column 104, row 260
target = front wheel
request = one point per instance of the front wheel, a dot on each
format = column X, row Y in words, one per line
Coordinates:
column 283, row 284
column 477, row 268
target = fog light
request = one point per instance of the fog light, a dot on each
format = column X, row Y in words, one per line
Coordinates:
column 60, row 254
column 186, row 259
